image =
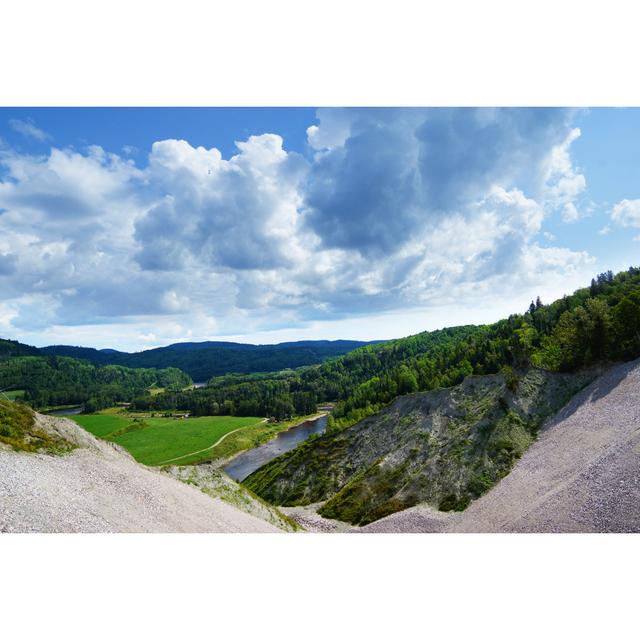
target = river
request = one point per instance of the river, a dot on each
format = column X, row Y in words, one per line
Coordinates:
column 246, row 463
column 69, row 411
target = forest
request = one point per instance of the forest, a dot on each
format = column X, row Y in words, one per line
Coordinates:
column 595, row 324
column 55, row 381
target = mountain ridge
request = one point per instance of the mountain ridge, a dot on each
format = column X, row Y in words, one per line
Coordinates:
column 208, row 359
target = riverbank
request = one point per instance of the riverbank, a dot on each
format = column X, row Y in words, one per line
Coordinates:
column 245, row 463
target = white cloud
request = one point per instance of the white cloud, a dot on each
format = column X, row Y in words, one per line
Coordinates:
column 563, row 183
column 626, row 213
column 28, row 129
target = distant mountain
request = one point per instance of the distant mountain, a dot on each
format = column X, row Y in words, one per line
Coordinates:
column 204, row 360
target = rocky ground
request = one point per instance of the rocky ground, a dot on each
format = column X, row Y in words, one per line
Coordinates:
column 312, row 522
column 98, row 487
column 208, row 477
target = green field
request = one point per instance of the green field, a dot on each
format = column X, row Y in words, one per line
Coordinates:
column 154, row 441
column 13, row 395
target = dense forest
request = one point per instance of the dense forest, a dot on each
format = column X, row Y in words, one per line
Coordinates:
column 204, row 360
column 54, row 381
column 11, row 348
column 597, row 323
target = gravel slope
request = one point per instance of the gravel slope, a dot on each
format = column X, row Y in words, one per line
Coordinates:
column 98, row 487
column 581, row 475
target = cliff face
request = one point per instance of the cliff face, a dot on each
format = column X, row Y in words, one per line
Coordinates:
column 445, row 448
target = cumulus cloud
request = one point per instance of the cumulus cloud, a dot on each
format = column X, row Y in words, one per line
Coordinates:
column 398, row 170
column 626, row 213
column 239, row 213
column 28, row 129
column 392, row 209
column 563, row 183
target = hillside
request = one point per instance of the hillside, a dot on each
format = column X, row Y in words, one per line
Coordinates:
column 12, row 349
column 55, row 380
column 204, row 360
column 581, row 475
column 94, row 486
column 444, row 447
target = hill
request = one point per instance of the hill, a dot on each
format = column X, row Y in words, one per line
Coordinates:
column 204, row 360
column 581, row 474
column 95, row 486
column 12, row 348
column 56, row 380
column 444, row 447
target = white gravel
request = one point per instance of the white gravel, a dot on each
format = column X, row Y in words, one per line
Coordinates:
column 101, row 488
column 313, row 522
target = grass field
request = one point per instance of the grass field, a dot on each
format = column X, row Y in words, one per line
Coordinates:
column 153, row 441
column 244, row 439
column 13, row 395
column 154, row 391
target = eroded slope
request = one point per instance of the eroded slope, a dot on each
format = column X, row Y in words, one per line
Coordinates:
column 444, row 447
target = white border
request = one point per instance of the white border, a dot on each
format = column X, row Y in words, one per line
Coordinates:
column 329, row 53
column 336, row 52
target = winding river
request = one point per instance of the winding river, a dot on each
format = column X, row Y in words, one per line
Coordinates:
column 69, row 411
column 246, row 463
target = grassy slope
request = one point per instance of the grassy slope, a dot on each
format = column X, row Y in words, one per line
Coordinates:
column 155, row 440
column 14, row 395
column 19, row 431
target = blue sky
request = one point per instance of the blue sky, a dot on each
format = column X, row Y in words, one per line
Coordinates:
column 134, row 227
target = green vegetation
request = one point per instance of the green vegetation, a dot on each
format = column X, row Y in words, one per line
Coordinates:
column 18, row 429
column 12, row 348
column 14, row 394
column 54, row 381
column 154, row 441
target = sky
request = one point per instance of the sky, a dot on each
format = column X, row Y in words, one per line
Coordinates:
column 132, row 228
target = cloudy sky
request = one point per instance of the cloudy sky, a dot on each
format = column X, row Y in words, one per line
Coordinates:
column 133, row 228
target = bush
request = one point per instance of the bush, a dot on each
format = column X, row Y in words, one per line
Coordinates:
column 479, row 485
column 453, row 502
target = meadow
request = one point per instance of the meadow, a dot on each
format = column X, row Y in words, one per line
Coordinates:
column 14, row 394
column 156, row 441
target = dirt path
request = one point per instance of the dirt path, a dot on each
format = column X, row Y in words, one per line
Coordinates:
column 215, row 444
